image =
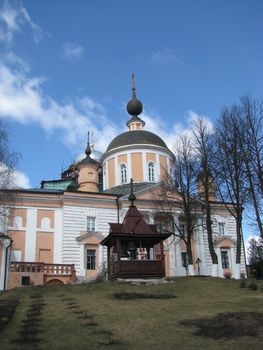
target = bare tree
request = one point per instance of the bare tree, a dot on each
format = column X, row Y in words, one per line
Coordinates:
column 205, row 153
column 232, row 179
column 178, row 194
column 8, row 161
column 251, row 121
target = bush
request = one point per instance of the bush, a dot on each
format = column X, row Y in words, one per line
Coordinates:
column 253, row 286
column 243, row 283
column 227, row 274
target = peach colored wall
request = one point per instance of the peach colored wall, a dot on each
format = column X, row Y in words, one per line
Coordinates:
column 225, row 243
column 18, row 238
column 122, row 159
column 63, row 279
column 88, row 178
column 136, row 165
column 150, row 157
column 167, row 262
column 15, row 278
column 41, row 213
column 44, row 241
column 17, row 212
column 163, row 165
column 91, row 240
column 111, row 172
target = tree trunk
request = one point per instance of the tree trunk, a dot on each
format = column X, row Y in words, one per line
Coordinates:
column 209, row 230
column 238, row 244
column 190, row 257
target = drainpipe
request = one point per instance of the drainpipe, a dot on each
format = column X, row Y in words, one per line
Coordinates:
column 118, row 210
column 6, row 261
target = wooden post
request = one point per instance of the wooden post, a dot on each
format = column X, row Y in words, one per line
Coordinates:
column 118, row 254
column 162, row 255
column 108, row 258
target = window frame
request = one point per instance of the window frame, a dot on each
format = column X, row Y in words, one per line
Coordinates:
column 151, row 171
column 225, row 262
column 184, row 260
column 123, row 173
column 221, row 228
column 91, row 259
column 91, row 227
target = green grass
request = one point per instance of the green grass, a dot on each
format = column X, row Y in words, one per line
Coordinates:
column 89, row 316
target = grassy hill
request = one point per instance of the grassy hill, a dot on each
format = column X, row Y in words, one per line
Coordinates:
column 113, row 315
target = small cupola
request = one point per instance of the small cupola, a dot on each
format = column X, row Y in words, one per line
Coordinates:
column 134, row 108
column 88, row 177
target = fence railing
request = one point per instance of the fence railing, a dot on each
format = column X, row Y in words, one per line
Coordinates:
column 47, row 269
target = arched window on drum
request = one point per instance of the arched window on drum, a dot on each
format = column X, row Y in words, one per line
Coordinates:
column 151, row 172
column 123, row 173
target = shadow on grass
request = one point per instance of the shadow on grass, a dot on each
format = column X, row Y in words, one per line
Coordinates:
column 7, row 310
column 28, row 334
column 228, row 325
column 131, row 296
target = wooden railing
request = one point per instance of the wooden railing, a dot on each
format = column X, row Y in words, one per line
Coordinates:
column 47, row 269
column 137, row 268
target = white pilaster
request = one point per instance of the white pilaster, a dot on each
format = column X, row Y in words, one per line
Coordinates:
column 57, row 255
column 144, row 170
column 220, row 268
column 6, row 243
column 30, row 241
column 100, row 256
column 158, row 171
column 82, row 260
column 107, row 175
column 232, row 258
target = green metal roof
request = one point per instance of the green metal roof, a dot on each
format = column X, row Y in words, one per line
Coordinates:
column 123, row 190
column 57, row 184
column 136, row 137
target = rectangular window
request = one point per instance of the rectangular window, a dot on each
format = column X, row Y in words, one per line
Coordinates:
column 91, row 259
column 184, row 259
column 221, row 227
column 25, row 281
column 225, row 259
column 90, row 223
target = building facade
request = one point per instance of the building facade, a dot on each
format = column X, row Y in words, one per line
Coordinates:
column 55, row 231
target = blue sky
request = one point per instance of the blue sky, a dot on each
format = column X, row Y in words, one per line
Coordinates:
column 65, row 68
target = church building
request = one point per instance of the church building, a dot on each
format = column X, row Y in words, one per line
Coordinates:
column 60, row 232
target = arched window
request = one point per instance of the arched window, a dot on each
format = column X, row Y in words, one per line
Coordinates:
column 123, row 173
column 45, row 224
column 17, row 222
column 151, row 171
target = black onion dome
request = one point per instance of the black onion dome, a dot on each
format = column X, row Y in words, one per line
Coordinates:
column 134, row 107
column 136, row 137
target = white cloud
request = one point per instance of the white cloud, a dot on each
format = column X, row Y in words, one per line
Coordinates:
column 20, row 180
column 13, row 16
column 166, row 56
column 13, row 178
column 72, row 51
column 11, row 59
column 171, row 134
column 22, row 99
